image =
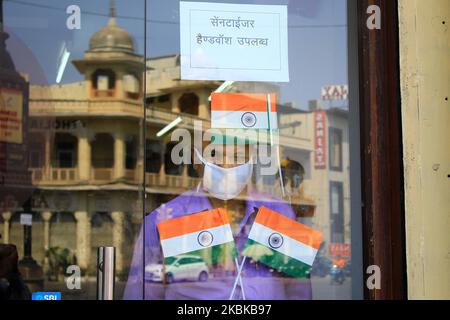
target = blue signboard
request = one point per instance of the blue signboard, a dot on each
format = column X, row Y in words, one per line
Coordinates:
column 46, row 296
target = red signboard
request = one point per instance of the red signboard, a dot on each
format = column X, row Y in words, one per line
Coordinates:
column 11, row 115
column 336, row 92
column 320, row 156
column 340, row 250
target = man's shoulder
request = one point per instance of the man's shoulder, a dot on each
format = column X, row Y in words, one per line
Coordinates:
column 184, row 204
column 270, row 201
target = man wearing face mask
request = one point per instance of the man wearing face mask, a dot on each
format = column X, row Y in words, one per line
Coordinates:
column 225, row 184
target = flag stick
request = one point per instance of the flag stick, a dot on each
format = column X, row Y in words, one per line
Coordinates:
column 240, row 279
column 280, row 173
column 237, row 278
column 278, row 147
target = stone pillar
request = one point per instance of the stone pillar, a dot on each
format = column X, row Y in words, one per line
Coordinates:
column 162, row 174
column 174, row 98
column 119, row 155
column 203, row 107
column 119, row 92
column 84, row 156
column 118, row 234
column 6, row 217
column 83, row 238
column 47, row 154
column 46, row 216
column 185, row 177
column 140, row 162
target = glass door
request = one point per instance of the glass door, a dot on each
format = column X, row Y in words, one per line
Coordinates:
column 248, row 150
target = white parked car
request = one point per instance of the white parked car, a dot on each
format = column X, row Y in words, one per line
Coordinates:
column 182, row 267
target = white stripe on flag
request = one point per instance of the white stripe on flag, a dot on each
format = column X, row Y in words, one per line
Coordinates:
column 189, row 242
column 233, row 120
column 290, row 247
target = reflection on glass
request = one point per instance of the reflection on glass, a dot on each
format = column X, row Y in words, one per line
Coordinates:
column 90, row 164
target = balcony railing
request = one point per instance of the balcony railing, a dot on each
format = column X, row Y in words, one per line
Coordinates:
column 166, row 116
column 156, row 182
column 132, row 175
column 102, row 174
column 59, row 176
column 103, row 93
column 169, row 181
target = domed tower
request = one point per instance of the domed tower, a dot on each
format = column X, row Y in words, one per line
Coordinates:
column 110, row 65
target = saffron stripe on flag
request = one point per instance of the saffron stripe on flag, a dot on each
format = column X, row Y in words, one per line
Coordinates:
column 252, row 102
column 289, row 247
column 289, row 227
column 192, row 223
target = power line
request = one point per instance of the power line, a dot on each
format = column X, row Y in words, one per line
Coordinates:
column 92, row 13
column 99, row 14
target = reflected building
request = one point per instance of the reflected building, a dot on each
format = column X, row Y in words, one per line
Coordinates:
column 320, row 145
column 84, row 153
column 15, row 179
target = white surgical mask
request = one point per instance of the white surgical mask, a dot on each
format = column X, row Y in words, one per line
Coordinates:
column 225, row 183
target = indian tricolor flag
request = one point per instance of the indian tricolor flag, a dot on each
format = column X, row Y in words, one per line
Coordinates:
column 243, row 111
column 282, row 243
column 206, row 234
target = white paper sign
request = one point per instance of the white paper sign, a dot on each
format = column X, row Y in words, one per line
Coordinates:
column 26, row 219
column 233, row 42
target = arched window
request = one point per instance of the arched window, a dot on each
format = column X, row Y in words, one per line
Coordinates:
column 36, row 150
column 153, row 156
column 131, row 86
column 103, row 83
column 131, row 152
column 170, row 167
column 65, row 152
column 102, row 151
column 292, row 171
column 188, row 103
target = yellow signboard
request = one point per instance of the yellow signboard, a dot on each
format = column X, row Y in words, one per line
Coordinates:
column 11, row 116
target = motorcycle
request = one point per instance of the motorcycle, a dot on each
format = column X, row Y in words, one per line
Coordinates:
column 337, row 275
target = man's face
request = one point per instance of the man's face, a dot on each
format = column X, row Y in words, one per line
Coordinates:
column 226, row 156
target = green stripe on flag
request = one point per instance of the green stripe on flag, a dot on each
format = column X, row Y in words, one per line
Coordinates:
column 217, row 255
column 276, row 260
